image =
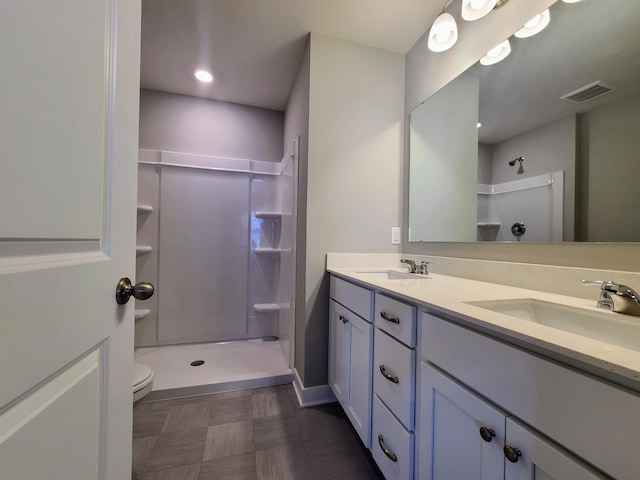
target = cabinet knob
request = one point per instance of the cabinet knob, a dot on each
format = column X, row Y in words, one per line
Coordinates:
column 389, row 318
column 390, row 455
column 487, row 434
column 512, row 453
column 343, row 319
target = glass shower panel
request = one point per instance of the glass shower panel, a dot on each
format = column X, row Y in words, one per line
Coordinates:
column 204, row 244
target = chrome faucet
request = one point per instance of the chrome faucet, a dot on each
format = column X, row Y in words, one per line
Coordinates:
column 616, row 297
column 421, row 269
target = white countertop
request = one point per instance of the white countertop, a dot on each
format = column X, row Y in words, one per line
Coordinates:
column 447, row 295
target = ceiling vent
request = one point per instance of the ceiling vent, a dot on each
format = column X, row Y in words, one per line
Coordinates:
column 589, row 92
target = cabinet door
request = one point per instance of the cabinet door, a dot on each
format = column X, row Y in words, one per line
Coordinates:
column 339, row 352
column 453, row 422
column 540, row 460
column 360, row 382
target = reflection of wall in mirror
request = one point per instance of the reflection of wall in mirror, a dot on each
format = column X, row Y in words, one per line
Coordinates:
column 610, row 173
column 443, row 172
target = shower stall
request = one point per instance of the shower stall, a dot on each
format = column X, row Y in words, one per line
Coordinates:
column 216, row 237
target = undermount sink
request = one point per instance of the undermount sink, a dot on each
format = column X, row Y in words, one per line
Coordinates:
column 389, row 275
column 614, row 328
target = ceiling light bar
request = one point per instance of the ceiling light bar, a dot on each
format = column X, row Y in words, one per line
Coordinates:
column 476, row 9
column 497, row 54
column 535, row 25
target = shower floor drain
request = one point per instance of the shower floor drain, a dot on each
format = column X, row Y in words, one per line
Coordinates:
column 197, row 363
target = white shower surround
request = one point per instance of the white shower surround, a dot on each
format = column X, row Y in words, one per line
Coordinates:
column 501, row 205
column 264, row 279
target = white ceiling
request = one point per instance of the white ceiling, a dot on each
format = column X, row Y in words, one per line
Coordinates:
column 254, row 47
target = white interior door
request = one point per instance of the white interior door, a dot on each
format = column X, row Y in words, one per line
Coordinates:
column 68, row 148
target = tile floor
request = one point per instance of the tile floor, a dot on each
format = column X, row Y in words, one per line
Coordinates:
column 259, row 434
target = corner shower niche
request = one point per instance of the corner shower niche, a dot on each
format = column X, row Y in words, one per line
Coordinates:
column 218, row 232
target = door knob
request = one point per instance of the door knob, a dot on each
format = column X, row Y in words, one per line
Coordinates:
column 140, row 291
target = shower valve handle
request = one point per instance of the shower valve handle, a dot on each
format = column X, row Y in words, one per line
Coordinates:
column 125, row 290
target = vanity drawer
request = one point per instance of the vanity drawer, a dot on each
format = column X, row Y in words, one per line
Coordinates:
column 594, row 419
column 396, row 318
column 398, row 363
column 389, row 435
column 357, row 299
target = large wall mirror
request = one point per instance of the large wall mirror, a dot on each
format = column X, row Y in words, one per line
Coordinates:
column 498, row 155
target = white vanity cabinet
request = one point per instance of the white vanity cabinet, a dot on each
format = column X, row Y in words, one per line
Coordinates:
column 394, row 382
column 351, row 352
column 554, row 418
column 465, row 436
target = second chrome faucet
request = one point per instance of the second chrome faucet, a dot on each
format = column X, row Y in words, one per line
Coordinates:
column 422, row 269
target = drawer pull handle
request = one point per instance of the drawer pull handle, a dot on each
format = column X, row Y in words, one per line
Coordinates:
column 388, row 376
column 487, row 434
column 512, row 453
column 392, row 456
column 343, row 319
column 389, row 318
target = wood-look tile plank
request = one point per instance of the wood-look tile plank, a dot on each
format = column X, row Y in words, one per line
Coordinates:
column 228, row 439
column 234, row 394
column 148, row 422
column 366, row 475
column 186, row 472
column 235, row 467
column 288, row 462
column 335, row 456
column 269, row 432
column 177, row 449
column 322, row 421
column 142, row 447
column 230, row 410
column 270, row 404
column 187, row 417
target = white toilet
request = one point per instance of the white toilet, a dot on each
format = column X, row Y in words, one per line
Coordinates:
column 142, row 381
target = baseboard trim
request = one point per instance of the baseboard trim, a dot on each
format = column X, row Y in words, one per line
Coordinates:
column 310, row 396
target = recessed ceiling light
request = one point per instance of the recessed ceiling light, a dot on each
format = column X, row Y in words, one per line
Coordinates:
column 203, row 76
column 479, row 124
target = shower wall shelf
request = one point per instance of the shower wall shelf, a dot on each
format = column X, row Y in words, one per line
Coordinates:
column 266, row 307
column 270, row 251
column 142, row 313
column 270, row 215
column 142, row 249
column 144, row 209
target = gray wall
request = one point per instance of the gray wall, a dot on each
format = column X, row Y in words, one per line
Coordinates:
column 296, row 122
column 179, row 123
column 610, row 149
column 354, row 172
column 426, row 72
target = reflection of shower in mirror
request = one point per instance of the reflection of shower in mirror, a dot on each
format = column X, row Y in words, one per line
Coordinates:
column 519, row 159
column 520, row 168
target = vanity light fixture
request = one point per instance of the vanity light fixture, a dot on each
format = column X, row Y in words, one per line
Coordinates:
column 497, row 54
column 203, row 75
column 571, row 1
column 475, row 9
column 535, row 25
column 444, row 31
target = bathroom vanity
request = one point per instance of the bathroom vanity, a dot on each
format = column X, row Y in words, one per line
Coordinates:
column 443, row 381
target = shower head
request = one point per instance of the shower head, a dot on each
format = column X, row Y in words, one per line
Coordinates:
column 513, row 162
